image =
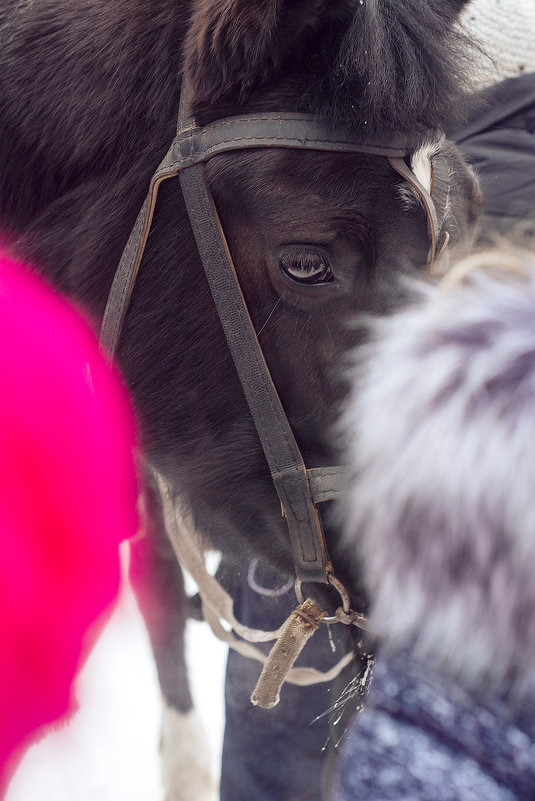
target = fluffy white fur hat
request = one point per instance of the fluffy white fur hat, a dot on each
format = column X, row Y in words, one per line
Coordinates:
column 441, row 507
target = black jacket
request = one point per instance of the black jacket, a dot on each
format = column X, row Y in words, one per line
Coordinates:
column 499, row 141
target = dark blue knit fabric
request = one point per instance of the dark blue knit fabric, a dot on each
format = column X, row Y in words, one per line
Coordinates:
column 422, row 739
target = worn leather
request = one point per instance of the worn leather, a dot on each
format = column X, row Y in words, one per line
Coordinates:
column 280, row 448
column 194, row 144
column 326, row 483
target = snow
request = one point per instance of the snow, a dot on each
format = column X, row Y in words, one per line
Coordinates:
column 109, row 749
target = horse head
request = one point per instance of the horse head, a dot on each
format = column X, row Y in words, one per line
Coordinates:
column 315, row 236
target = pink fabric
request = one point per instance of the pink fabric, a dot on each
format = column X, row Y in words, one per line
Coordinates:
column 68, row 493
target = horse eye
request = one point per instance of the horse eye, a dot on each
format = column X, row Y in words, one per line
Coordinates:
column 306, row 268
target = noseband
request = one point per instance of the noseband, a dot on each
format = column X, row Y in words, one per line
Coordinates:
column 299, row 489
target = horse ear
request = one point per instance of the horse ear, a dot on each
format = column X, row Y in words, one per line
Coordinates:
column 233, row 45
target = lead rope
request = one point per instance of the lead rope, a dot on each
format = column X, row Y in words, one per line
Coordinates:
column 217, row 606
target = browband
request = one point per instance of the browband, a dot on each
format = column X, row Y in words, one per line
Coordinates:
column 194, row 144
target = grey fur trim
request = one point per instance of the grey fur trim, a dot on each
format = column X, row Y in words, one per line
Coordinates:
column 441, row 508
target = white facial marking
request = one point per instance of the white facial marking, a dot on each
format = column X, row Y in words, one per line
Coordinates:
column 421, row 167
column 421, row 162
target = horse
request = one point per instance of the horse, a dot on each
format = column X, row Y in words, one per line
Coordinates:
column 89, row 99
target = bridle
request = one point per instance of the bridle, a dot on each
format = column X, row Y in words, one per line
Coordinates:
column 300, row 490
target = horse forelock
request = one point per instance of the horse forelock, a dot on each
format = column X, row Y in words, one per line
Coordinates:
column 375, row 66
column 401, row 67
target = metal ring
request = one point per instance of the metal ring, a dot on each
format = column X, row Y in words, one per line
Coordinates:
column 330, row 619
column 344, row 595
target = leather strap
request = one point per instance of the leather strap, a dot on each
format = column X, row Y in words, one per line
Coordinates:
column 326, row 483
column 193, row 147
column 433, row 227
column 280, row 448
column 194, row 144
column 126, row 273
column 435, row 202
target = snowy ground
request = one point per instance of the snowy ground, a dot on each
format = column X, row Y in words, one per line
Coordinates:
column 109, row 750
